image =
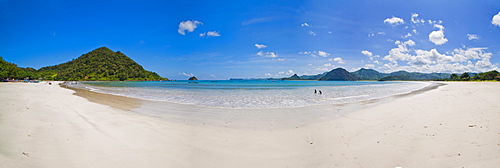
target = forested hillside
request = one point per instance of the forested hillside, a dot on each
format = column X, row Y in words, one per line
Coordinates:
column 99, row 64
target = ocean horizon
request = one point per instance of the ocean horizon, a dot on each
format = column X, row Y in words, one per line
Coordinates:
column 253, row 94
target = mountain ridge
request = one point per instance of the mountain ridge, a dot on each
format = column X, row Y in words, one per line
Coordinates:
column 101, row 64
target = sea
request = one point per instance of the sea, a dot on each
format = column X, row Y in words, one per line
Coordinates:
column 254, row 94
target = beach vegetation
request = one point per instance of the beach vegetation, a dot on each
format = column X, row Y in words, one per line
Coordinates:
column 493, row 75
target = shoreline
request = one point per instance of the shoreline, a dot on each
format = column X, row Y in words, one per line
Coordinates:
column 241, row 118
column 450, row 126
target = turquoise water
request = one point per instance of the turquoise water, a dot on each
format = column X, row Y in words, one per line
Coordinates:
column 255, row 93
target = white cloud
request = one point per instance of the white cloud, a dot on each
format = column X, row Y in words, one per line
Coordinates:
column 323, row 54
column 185, row 74
column 407, row 35
column 304, row 24
column 435, row 21
column 328, row 65
column 315, row 53
column 268, row 74
column 440, row 27
column 458, row 61
column 213, row 76
column 339, row 60
column 369, row 66
column 289, row 72
column 260, row 46
column 367, row 53
column 415, row 19
column 373, row 58
column 187, row 26
column 437, row 37
column 401, row 52
column 267, row 54
column 394, row 21
column 311, row 33
column 496, row 19
column 472, row 36
column 210, row 34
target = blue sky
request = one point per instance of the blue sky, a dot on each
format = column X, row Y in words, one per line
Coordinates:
column 258, row 39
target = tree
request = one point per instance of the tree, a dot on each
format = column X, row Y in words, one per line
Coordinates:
column 464, row 76
column 453, row 76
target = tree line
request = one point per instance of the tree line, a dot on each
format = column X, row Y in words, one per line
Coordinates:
column 485, row 76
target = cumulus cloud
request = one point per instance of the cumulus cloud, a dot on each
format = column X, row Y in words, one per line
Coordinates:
column 267, row 54
column 472, row 37
column 373, row 58
column 186, row 74
column 367, row 53
column 289, row 72
column 401, row 52
column 315, row 53
column 304, row 25
column 188, row 26
column 369, row 66
column 210, row 34
column 437, row 37
column 311, row 33
column 394, row 21
column 260, row 46
column 496, row 19
column 415, row 19
column 458, row 61
column 339, row 60
column 323, row 54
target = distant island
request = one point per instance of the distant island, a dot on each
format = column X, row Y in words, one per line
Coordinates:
column 101, row 64
column 340, row 74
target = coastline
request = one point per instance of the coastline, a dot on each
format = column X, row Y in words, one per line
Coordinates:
column 241, row 118
column 450, row 126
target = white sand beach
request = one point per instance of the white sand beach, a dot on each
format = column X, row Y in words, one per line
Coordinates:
column 455, row 125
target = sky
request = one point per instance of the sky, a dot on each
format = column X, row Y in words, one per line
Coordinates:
column 260, row 38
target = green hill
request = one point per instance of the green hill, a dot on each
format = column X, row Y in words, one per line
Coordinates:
column 99, row 64
column 369, row 74
column 339, row 74
column 293, row 77
column 10, row 70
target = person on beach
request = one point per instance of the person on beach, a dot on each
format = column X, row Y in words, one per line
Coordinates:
column 320, row 93
column 315, row 91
